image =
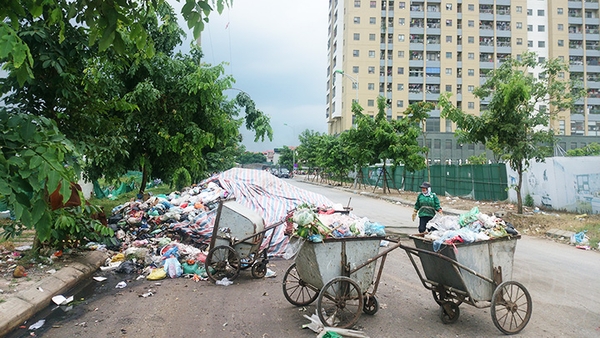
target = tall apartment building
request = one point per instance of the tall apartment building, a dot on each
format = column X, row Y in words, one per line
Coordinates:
column 411, row 51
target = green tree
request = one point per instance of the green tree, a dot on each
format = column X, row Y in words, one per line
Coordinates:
column 417, row 114
column 111, row 24
column 286, row 158
column 249, row 157
column 513, row 121
column 332, row 157
column 307, row 151
column 592, row 149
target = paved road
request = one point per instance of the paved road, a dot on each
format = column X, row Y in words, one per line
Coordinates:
column 562, row 280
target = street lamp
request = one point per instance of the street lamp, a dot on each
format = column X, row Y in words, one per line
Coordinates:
column 354, row 81
column 293, row 150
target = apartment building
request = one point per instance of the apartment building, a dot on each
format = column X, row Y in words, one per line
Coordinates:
column 411, row 51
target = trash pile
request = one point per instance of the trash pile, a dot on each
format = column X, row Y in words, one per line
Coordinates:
column 466, row 228
column 314, row 224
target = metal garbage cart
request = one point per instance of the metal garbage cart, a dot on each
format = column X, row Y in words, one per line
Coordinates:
column 479, row 274
column 235, row 243
column 338, row 273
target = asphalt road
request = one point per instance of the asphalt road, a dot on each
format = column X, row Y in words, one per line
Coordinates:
column 563, row 283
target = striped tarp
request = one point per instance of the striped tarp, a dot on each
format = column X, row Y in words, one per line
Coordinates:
column 270, row 197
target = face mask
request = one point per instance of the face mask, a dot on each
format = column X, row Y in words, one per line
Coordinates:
column 428, row 192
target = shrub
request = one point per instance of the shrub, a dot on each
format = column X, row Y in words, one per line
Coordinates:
column 528, row 201
column 182, row 178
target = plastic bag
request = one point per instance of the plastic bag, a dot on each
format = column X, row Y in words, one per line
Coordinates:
column 292, row 248
column 173, row 267
column 468, row 217
column 303, row 217
column 374, row 229
column 157, row 274
column 580, row 238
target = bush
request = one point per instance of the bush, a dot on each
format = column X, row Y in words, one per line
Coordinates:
column 528, row 201
column 182, row 178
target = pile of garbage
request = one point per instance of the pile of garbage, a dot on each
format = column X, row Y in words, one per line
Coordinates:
column 467, row 228
column 314, row 224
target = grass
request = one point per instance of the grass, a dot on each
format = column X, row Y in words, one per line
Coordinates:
column 593, row 232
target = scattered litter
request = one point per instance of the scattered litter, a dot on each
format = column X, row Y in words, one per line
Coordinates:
column 23, row 248
column 40, row 289
column 224, row 282
column 100, row 278
column 19, row 271
column 51, row 271
column 270, row 273
column 580, row 238
column 61, row 300
column 583, row 247
column 384, row 243
column 324, row 331
column 147, row 294
column 121, row 285
column 37, row 324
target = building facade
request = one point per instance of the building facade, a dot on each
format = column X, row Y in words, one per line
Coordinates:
column 412, row 51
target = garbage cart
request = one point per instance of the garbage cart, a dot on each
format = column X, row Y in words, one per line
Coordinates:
column 338, row 273
column 235, row 243
column 479, row 274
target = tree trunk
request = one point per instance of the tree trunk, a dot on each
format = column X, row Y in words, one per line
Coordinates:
column 518, row 188
column 144, row 180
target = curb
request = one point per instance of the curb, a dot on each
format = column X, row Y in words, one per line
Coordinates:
column 555, row 233
column 25, row 304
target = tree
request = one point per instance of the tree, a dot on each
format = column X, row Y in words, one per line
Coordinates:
column 249, row 157
column 286, row 158
column 110, row 23
column 592, row 149
column 513, row 122
column 418, row 113
column 307, row 151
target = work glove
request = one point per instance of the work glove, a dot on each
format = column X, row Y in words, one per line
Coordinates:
column 414, row 215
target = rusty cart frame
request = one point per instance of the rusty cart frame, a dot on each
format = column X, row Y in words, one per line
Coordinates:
column 339, row 273
column 478, row 274
column 235, row 243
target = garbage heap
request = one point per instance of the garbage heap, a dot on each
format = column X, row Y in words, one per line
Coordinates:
column 466, row 228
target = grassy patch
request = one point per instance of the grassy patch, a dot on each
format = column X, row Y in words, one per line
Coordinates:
column 109, row 204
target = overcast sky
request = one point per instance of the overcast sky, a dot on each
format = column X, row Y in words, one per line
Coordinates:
column 277, row 52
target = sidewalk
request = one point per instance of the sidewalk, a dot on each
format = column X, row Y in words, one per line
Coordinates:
column 23, row 305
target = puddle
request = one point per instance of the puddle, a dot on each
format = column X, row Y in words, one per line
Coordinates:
column 83, row 293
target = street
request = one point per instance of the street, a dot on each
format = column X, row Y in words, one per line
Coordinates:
column 562, row 280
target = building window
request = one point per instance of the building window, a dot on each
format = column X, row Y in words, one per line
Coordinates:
column 449, row 88
column 541, row 59
column 561, row 43
column 357, row 3
column 448, row 55
column 373, row 20
column 371, row 53
column 402, row 5
column 355, row 69
column 471, row 39
column 356, row 36
column 400, row 103
column 355, row 53
column 471, row 7
column 400, row 87
column 519, row 41
column 529, row 12
column 541, row 28
column 471, row 56
column 357, row 19
column 559, row 11
column 530, row 28
column 401, row 37
column 371, row 103
column 371, row 86
column 519, row 9
column 471, row 23
column 400, row 70
column 471, row 105
column 448, row 38
column 529, row 43
column 471, row 72
column 400, row 54
column 541, row 12
column 448, row 23
column 470, row 88
column 371, row 70
column 401, row 21
column 561, row 27
column 448, row 7
column 541, row 44
column 373, row 4
column 448, row 71
column 519, row 25
column 371, row 37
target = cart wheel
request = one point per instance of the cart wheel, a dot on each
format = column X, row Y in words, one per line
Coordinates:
column 259, row 269
column 246, row 262
column 297, row 291
column 222, row 261
column 511, row 307
column 340, row 302
column 436, row 297
column 449, row 312
column 371, row 305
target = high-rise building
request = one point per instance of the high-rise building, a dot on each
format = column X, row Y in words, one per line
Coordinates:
column 411, row 51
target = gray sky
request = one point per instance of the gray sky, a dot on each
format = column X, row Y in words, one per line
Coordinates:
column 277, row 52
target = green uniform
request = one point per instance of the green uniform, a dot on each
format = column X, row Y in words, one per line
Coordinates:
column 427, row 205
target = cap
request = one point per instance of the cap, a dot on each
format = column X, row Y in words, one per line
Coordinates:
column 425, row 185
